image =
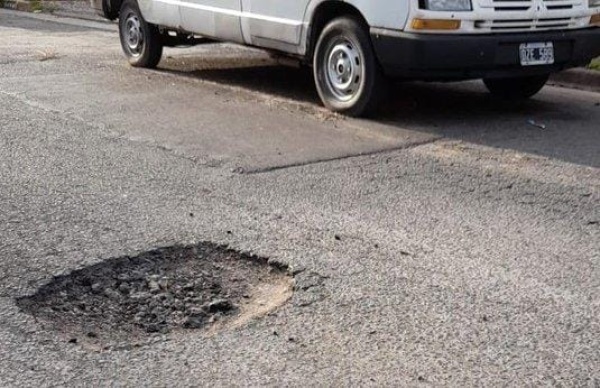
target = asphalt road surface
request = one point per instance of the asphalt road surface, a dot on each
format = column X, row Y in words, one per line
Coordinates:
column 451, row 241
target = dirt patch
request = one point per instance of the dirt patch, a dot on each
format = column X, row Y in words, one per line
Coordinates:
column 131, row 299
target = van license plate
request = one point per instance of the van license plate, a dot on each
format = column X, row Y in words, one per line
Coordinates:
column 532, row 54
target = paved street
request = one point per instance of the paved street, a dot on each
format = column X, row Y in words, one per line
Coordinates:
column 451, row 241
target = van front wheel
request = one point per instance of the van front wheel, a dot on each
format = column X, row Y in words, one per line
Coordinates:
column 346, row 71
column 141, row 42
column 519, row 88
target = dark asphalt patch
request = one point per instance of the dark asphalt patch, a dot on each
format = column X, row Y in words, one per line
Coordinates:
column 179, row 288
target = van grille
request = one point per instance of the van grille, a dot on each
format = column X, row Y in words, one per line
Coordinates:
column 528, row 15
column 525, row 5
column 526, row 24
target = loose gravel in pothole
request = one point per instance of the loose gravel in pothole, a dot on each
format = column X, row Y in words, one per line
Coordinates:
column 170, row 289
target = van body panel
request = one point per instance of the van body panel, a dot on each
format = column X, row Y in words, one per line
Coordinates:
column 265, row 23
column 476, row 49
column 212, row 18
column 161, row 12
column 394, row 16
column 268, row 23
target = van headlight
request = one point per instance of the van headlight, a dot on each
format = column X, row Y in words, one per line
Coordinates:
column 451, row 5
column 594, row 3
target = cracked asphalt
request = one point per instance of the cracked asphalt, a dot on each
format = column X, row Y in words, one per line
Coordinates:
column 448, row 242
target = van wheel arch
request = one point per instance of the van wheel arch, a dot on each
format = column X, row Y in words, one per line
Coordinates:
column 325, row 13
column 111, row 8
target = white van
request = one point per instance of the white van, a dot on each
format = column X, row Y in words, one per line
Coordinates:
column 354, row 45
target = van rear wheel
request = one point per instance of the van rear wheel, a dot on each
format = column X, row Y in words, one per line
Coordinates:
column 141, row 41
column 519, row 88
column 346, row 71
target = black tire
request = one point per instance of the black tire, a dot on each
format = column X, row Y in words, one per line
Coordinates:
column 141, row 41
column 344, row 57
column 107, row 11
column 517, row 88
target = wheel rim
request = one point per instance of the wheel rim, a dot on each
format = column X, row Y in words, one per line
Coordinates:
column 344, row 70
column 134, row 35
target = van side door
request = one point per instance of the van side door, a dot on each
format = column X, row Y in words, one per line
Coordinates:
column 274, row 24
column 212, row 18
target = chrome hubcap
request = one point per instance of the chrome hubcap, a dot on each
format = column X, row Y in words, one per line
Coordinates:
column 344, row 72
column 134, row 35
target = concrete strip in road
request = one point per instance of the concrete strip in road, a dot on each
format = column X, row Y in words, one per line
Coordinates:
column 250, row 141
column 90, row 77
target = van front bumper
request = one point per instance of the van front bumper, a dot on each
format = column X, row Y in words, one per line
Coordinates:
column 456, row 57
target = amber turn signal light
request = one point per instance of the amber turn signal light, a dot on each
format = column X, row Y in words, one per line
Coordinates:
column 595, row 19
column 435, row 24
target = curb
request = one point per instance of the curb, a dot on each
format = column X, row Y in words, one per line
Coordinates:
column 42, row 7
column 18, row 5
column 73, row 20
column 578, row 79
column 73, row 15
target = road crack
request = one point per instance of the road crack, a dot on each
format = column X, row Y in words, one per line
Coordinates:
column 385, row 151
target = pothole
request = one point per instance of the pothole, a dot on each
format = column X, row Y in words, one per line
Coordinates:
column 132, row 299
